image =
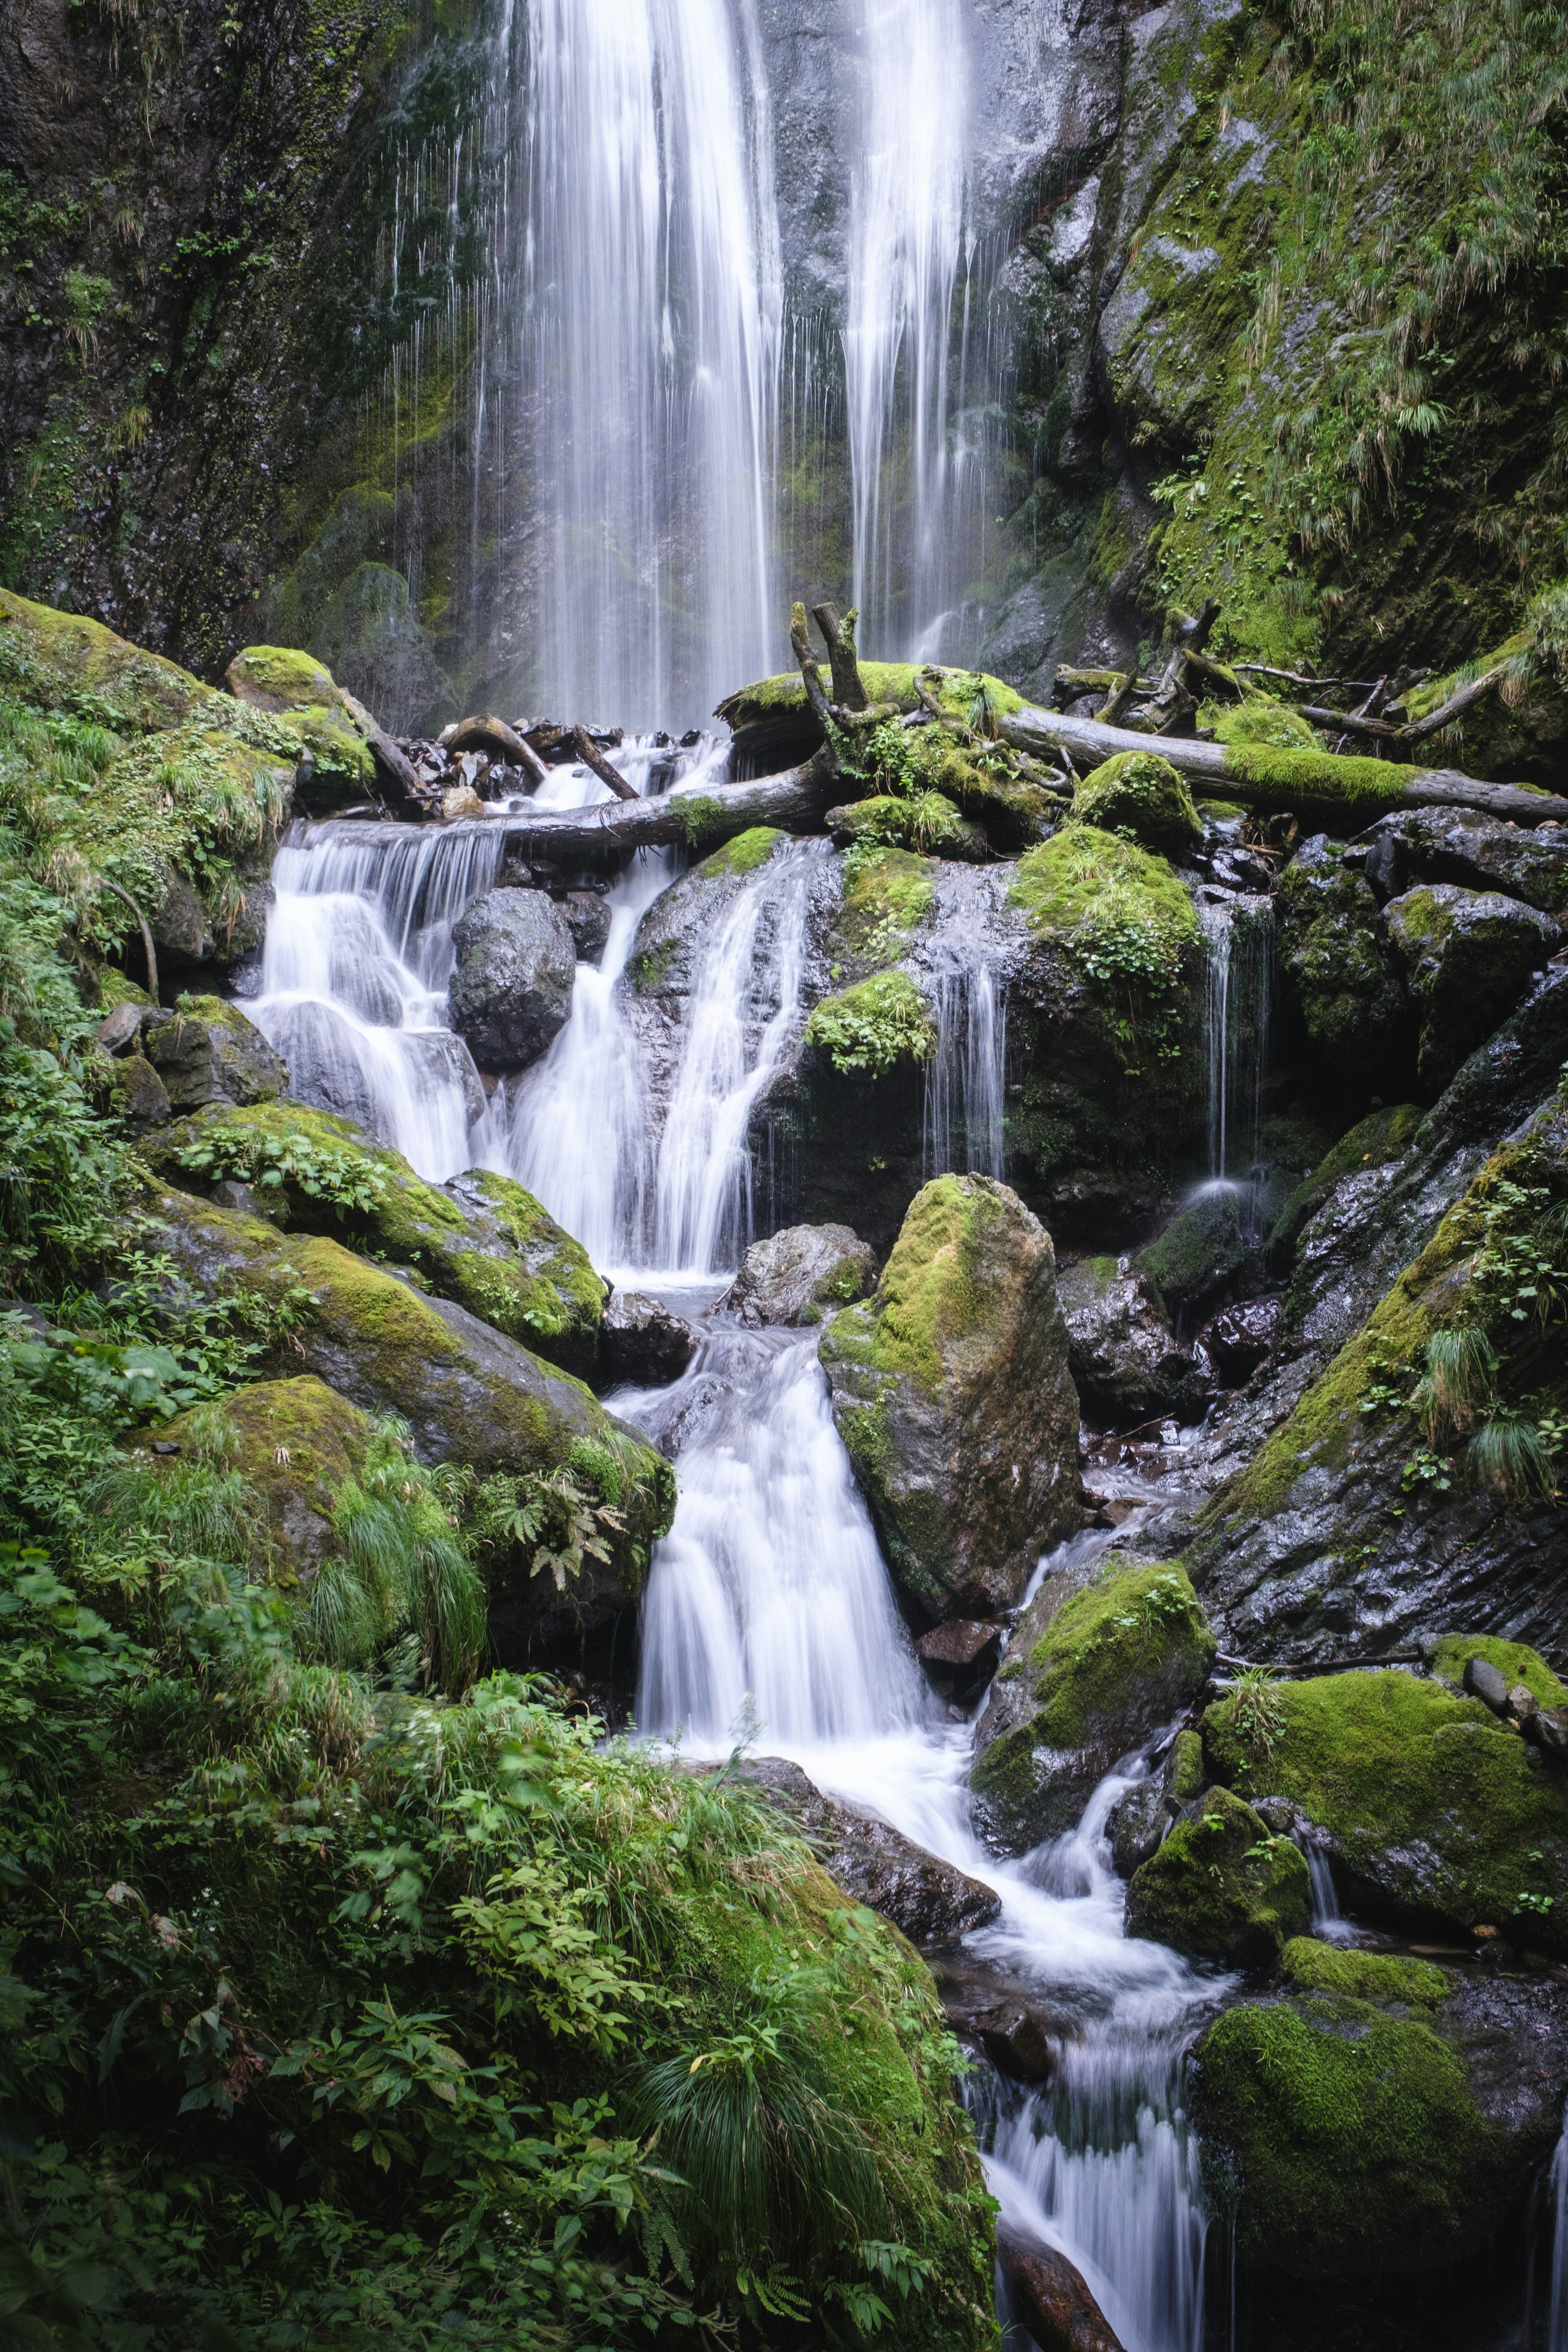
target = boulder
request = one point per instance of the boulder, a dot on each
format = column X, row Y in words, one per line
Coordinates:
column 930, row 1900
column 137, row 1094
column 1466, row 847
column 1469, row 955
column 1139, row 794
column 296, row 1443
column 1338, row 967
column 587, row 917
column 210, row 1053
column 674, row 930
column 961, row 1656
column 1093, row 1672
column 468, row 1394
column 1222, row 1887
column 643, row 1343
column 796, row 1274
column 1384, row 2115
column 952, row 1392
column 1238, row 1340
column 1430, row 1810
column 1052, row 2297
column 1124, row 1358
column 1200, row 1252
column 481, row 1240
column 510, row 995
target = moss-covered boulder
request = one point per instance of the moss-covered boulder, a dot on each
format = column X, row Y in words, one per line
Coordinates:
column 1430, row 1808
column 1469, row 956
column 1340, row 970
column 1136, row 793
column 1515, row 1662
column 62, row 661
column 295, row 1442
column 468, row 1393
column 927, row 822
column 952, row 1392
column 332, row 725
column 1093, row 1671
column 869, row 1026
column 209, row 1052
column 774, row 725
column 1384, row 2115
column 679, row 925
column 481, row 1240
column 1222, row 1887
column 1197, row 1257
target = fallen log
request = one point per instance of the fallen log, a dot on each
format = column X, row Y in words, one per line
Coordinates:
column 492, row 735
column 797, row 801
column 1056, row 2304
column 1358, row 788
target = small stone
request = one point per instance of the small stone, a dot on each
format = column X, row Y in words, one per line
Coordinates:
column 642, row 1342
column 119, row 1031
column 1522, row 1703
column 1484, row 1682
column 461, row 801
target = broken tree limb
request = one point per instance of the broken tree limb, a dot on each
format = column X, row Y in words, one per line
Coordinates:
column 486, row 733
column 1413, row 730
column 603, row 835
column 593, row 757
column 948, row 719
column 395, row 764
column 810, row 671
column 145, row 927
column 838, row 635
column 1297, row 779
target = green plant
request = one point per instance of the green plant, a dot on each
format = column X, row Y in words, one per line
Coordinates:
column 1460, row 1377
column 1254, row 1711
column 872, row 1025
column 347, row 1179
column 552, row 1518
column 1510, row 1454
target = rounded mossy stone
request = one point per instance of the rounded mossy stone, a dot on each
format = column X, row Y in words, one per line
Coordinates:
column 1140, row 793
column 296, row 1443
column 1273, row 724
column 281, row 678
column 1091, row 1674
column 1316, row 1967
column 869, row 1026
column 62, row 661
column 926, row 821
column 1515, row 1662
column 1355, row 2137
column 1082, row 883
column 1222, row 1887
column 1435, row 1807
column 744, row 853
column 887, row 895
column 482, row 1240
column 1186, row 1769
column 1199, row 1250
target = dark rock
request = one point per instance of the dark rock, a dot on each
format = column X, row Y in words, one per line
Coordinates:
column 511, row 994
column 588, row 920
column 961, row 1656
column 138, row 1095
column 1551, row 1729
column 1466, row 847
column 230, row 1193
column 1221, row 1888
column 1123, row 1355
column 1056, row 2306
column 1339, row 968
column 1238, row 1339
column 178, row 923
column 952, row 1392
column 797, row 1274
column 1202, row 1250
column 1484, row 1682
column 210, row 1053
column 1136, row 1827
column 120, row 1030
column 643, row 1343
column 873, row 1862
column 1469, row 955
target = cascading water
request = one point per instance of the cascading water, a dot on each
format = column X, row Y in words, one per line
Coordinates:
column 653, row 297
column 966, row 1077
column 905, row 247
column 1239, row 939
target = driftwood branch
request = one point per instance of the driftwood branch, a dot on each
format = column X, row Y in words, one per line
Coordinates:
column 810, row 671
column 609, row 832
column 395, row 765
column 145, row 929
column 592, row 757
column 1413, row 731
column 838, row 635
column 1051, row 730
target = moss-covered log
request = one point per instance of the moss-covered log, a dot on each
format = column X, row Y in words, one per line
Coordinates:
column 1271, row 778
column 796, row 800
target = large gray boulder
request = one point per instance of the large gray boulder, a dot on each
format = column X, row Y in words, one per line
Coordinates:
column 796, row 1274
column 1466, row 847
column 1468, row 955
column 951, row 1391
column 1123, row 1353
column 1338, row 966
column 510, row 995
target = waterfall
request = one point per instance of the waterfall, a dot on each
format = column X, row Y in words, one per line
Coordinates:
column 1238, row 935
column 1557, row 2190
column 652, row 295
column 354, row 980
column 905, row 244
column 966, row 1076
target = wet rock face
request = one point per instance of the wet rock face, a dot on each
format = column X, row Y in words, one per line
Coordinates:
column 1094, row 1670
column 1466, row 847
column 952, row 1392
column 1053, row 2297
column 797, row 1274
column 961, row 1656
column 588, row 920
column 873, row 1862
column 1384, row 2115
column 1336, row 964
column 1223, row 1886
column 1123, row 1355
column 1468, row 955
column 643, row 1343
column 511, row 992
column 1200, row 1254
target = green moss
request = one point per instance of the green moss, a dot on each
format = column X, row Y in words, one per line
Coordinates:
column 1363, row 1976
column 926, row 1298
column 1513, row 1660
column 745, row 851
column 1202, row 1244
column 296, row 1443
column 59, row 661
column 278, row 677
column 1132, row 1625
column 1287, row 779
column 1084, row 883
column 1382, row 1135
column 1355, row 2137
column 874, row 1024
column 1390, row 1764
column 887, row 893
column 1220, row 812
column 701, row 816
column 1271, row 724
column 1139, row 794
column 1221, row 1888
column 927, row 822
column 1187, row 1764
column 959, row 692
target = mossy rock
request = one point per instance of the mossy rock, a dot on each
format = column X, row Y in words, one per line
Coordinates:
column 1186, row 1764
column 1200, row 1251
column 210, row 1053
column 1083, row 883
column 1272, row 724
column 295, row 1442
column 774, row 726
column 676, row 929
column 1092, row 1673
column 744, row 853
column 1432, row 1811
column 60, row 661
column 1222, row 1887
column 1339, row 968
column 1384, row 1135
column 889, row 893
column 927, row 822
column 952, row 1392
column 871, row 1026
column 1314, row 1966
column 1014, row 815
column 468, row 1393
column 285, row 682
column 1139, row 794
column 1515, row 1662
column 481, row 1240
